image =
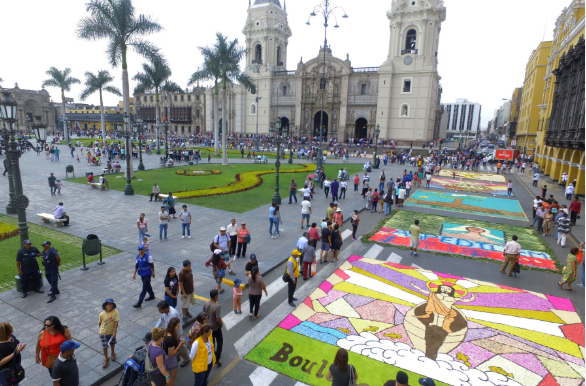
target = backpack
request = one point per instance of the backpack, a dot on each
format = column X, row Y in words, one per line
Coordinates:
column 212, row 247
column 15, row 373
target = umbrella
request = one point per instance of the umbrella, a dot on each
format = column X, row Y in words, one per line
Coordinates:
column 312, row 176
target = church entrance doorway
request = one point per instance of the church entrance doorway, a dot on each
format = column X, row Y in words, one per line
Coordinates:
column 361, row 129
column 324, row 125
column 284, row 126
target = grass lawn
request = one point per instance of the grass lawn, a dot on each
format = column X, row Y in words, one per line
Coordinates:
column 238, row 202
column 69, row 248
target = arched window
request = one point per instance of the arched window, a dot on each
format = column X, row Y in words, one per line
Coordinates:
column 197, row 113
column 404, row 112
column 257, row 54
column 322, row 83
column 253, row 109
column 279, row 59
column 411, row 39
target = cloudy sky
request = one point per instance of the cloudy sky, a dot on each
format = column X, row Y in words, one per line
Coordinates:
column 484, row 45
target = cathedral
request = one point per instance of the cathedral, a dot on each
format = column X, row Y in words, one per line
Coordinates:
column 401, row 96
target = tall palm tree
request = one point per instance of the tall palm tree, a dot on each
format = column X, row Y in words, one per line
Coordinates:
column 117, row 22
column 99, row 83
column 228, row 55
column 62, row 80
column 155, row 78
column 210, row 71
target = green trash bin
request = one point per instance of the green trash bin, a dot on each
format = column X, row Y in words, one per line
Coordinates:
column 69, row 169
column 91, row 246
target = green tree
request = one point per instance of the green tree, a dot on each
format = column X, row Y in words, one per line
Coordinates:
column 155, row 77
column 99, row 83
column 210, row 71
column 62, row 80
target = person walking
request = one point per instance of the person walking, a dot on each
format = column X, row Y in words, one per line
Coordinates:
column 535, row 178
column 511, row 252
column 305, row 211
column 401, row 195
column 256, row 286
column 309, row 258
column 155, row 192
column 326, row 241
column 292, row 274
column 327, row 184
column 187, row 289
column 185, row 217
column 145, row 267
column 340, row 373
column 203, row 355
column 243, row 237
column 575, row 208
column 564, row 227
column 65, row 370
column 354, row 220
column 570, row 269
column 277, row 221
column 49, row 341
column 356, row 182
column 163, row 223
column 51, row 262
column 108, row 326
column 388, row 201
column 343, row 188
column 232, row 231
column 272, row 219
column 335, row 186
column 548, row 221
column 414, row 231
column 10, row 349
column 142, row 226
column 237, row 297
column 510, row 188
column 157, row 355
column 172, row 344
column 28, row 268
column 51, row 182
column 171, row 285
column 336, row 243
column 214, row 311
column 292, row 191
column 171, row 203
column 569, row 191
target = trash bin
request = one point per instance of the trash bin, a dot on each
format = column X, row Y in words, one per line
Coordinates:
column 89, row 173
column 69, row 169
column 31, row 285
column 92, row 245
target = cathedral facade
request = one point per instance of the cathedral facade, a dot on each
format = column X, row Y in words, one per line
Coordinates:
column 401, row 96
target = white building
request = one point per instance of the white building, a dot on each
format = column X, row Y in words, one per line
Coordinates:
column 460, row 118
column 401, row 95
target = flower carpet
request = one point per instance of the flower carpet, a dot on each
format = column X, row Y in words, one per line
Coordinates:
column 465, row 203
column 458, row 331
column 469, row 186
column 473, row 175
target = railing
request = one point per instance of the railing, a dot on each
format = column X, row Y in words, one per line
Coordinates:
column 279, row 63
column 365, row 69
column 409, row 51
column 257, row 61
column 284, row 73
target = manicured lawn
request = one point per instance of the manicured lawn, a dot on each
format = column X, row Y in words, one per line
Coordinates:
column 237, row 202
column 69, row 248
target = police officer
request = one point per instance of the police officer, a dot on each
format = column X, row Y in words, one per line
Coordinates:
column 28, row 267
column 146, row 269
column 51, row 261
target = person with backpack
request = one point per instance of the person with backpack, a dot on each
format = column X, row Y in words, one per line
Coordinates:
column 155, row 362
column 388, row 200
column 374, row 200
column 219, row 267
column 10, row 349
column 223, row 242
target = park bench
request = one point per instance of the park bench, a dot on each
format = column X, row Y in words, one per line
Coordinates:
column 47, row 218
column 259, row 161
column 163, row 196
column 97, row 185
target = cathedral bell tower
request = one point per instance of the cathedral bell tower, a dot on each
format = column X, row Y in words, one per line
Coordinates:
column 408, row 79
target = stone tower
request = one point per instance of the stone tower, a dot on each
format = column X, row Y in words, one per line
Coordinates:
column 408, row 79
column 267, row 35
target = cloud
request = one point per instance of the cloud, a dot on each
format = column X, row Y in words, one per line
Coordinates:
column 444, row 369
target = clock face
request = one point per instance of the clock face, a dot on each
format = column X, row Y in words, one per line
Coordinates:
column 408, row 60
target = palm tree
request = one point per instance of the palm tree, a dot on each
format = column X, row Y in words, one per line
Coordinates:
column 155, row 78
column 99, row 83
column 210, row 71
column 228, row 56
column 62, row 80
column 116, row 22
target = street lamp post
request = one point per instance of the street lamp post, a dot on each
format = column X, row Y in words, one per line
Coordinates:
column 66, row 129
column 326, row 10
column 40, row 130
column 128, row 190
column 166, row 141
column 17, row 201
column 274, row 132
column 376, row 134
column 139, row 130
column 290, row 145
column 256, row 107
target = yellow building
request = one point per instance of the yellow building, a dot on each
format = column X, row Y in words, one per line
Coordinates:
column 558, row 153
column 90, row 118
column 533, row 84
column 515, row 110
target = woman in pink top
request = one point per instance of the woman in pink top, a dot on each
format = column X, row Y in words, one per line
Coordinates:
column 242, row 232
column 338, row 217
column 356, row 182
column 313, row 232
column 143, row 228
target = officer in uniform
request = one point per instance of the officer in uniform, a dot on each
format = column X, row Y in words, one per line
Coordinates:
column 28, row 267
column 51, row 261
column 146, row 269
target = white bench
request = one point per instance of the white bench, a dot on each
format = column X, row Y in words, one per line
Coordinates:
column 46, row 218
column 97, row 185
column 163, row 196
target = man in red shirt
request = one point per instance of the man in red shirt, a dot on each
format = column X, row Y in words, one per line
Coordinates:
column 575, row 208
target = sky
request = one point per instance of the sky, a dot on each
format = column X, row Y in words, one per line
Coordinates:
column 483, row 50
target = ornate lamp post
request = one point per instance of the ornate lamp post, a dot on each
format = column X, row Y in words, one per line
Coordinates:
column 376, row 134
column 40, row 130
column 128, row 190
column 326, row 9
column 66, row 127
column 166, row 141
column 18, row 202
column 139, row 130
column 257, row 99
column 274, row 132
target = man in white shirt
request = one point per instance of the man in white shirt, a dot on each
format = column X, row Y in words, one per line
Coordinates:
column 232, row 231
column 569, row 191
column 155, row 192
column 536, row 202
column 306, row 193
column 535, row 178
column 511, row 253
column 60, row 213
column 163, row 223
column 343, row 187
column 327, row 184
column 305, row 211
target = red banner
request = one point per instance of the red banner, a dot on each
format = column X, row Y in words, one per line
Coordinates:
column 504, row 154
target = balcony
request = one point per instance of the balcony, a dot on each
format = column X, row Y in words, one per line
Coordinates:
column 365, row 69
column 257, row 61
column 284, row 73
column 409, row 51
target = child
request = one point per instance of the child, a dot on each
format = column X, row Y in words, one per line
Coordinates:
column 237, row 297
column 146, row 245
column 108, row 326
column 209, row 157
column 58, row 185
column 368, row 196
column 78, row 158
